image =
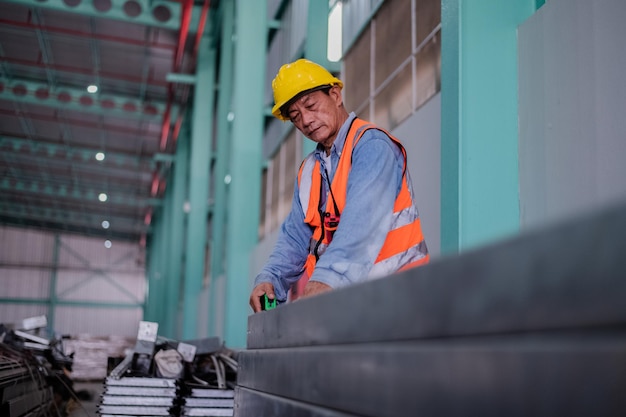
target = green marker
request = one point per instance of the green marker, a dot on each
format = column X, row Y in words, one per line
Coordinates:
column 266, row 303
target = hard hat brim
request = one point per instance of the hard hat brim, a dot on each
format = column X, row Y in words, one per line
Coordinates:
column 277, row 110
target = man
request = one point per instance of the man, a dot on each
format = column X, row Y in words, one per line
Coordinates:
column 352, row 217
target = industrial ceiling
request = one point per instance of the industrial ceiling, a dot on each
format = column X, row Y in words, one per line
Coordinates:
column 93, row 160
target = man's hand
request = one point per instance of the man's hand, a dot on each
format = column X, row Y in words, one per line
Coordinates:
column 315, row 287
column 257, row 293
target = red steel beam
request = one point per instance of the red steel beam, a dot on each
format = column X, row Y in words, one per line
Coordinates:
column 55, row 141
column 78, row 122
column 159, row 185
column 78, row 33
column 200, row 31
column 185, row 22
column 70, row 69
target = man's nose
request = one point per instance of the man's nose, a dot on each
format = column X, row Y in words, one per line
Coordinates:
column 307, row 118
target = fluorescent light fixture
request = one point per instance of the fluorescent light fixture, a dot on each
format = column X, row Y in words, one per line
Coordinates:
column 92, row 89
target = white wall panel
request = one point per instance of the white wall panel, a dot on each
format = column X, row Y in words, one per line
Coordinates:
column 83, row 252
column 13, row 313
column 572, row 96
column 421, row 136
column 97, row 321
column 25, row 246
column 85, row 272
column 100, row 286
column 24, row 283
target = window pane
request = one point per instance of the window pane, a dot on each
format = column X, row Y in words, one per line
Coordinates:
column 428, row 70
column 393, row 38
column 427, row 17
column 357, row 72
column 263, row 217
column 395, row 102
column 288, row 176
column 275, row 172
column 364, row 114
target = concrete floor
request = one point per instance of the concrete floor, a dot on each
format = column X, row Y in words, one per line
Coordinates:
column 87, row 408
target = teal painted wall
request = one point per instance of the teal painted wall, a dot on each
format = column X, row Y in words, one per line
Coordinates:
column 199, row 170
column 218, row 236
column 479, row 143
column 245, row 164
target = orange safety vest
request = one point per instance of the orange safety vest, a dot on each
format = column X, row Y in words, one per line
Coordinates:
column 404, row 246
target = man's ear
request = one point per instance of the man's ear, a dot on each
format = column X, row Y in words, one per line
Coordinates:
column 335, row 93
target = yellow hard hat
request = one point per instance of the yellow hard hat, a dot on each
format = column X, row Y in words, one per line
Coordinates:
column 297, row 77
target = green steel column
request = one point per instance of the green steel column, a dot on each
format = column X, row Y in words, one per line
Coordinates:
column 218, row 238
column 450, row 94
column 164, row 313
column 200, row 162
column 316, row 48
column 52, row 306
column 147, row 307
column 155, row 271
column 164, row 245
column 177, row 186
column 150, row 267
column 245, row 163
column 479, row 132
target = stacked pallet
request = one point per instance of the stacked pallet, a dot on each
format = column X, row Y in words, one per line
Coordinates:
column 208, row 402
column 140, row 397
column 164, row 377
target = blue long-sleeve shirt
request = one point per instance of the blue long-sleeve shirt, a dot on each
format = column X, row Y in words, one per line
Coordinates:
column 373, row 184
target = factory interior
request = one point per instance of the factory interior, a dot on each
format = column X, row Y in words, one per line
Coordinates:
column 145, row 180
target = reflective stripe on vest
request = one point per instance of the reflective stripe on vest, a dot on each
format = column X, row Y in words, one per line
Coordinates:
column 404, row 246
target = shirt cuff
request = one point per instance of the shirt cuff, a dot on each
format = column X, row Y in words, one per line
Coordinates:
column 279, row 291
column 340, row 274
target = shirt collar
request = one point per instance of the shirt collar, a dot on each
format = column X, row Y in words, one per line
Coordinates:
column 340, row 140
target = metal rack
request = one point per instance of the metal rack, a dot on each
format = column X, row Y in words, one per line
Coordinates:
column 23, row 387
column 163, row 377
column 208, row 402
column 140, row 397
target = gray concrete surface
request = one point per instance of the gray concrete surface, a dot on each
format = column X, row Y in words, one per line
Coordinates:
column 87, row 408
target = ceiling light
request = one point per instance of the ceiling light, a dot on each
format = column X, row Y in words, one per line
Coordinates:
column 92, row 89
column 100, row 156
column 105, row 224
column 103, row 197
column 107, row 244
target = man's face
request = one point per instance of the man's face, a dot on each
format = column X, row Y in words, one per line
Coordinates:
column 318, row 115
